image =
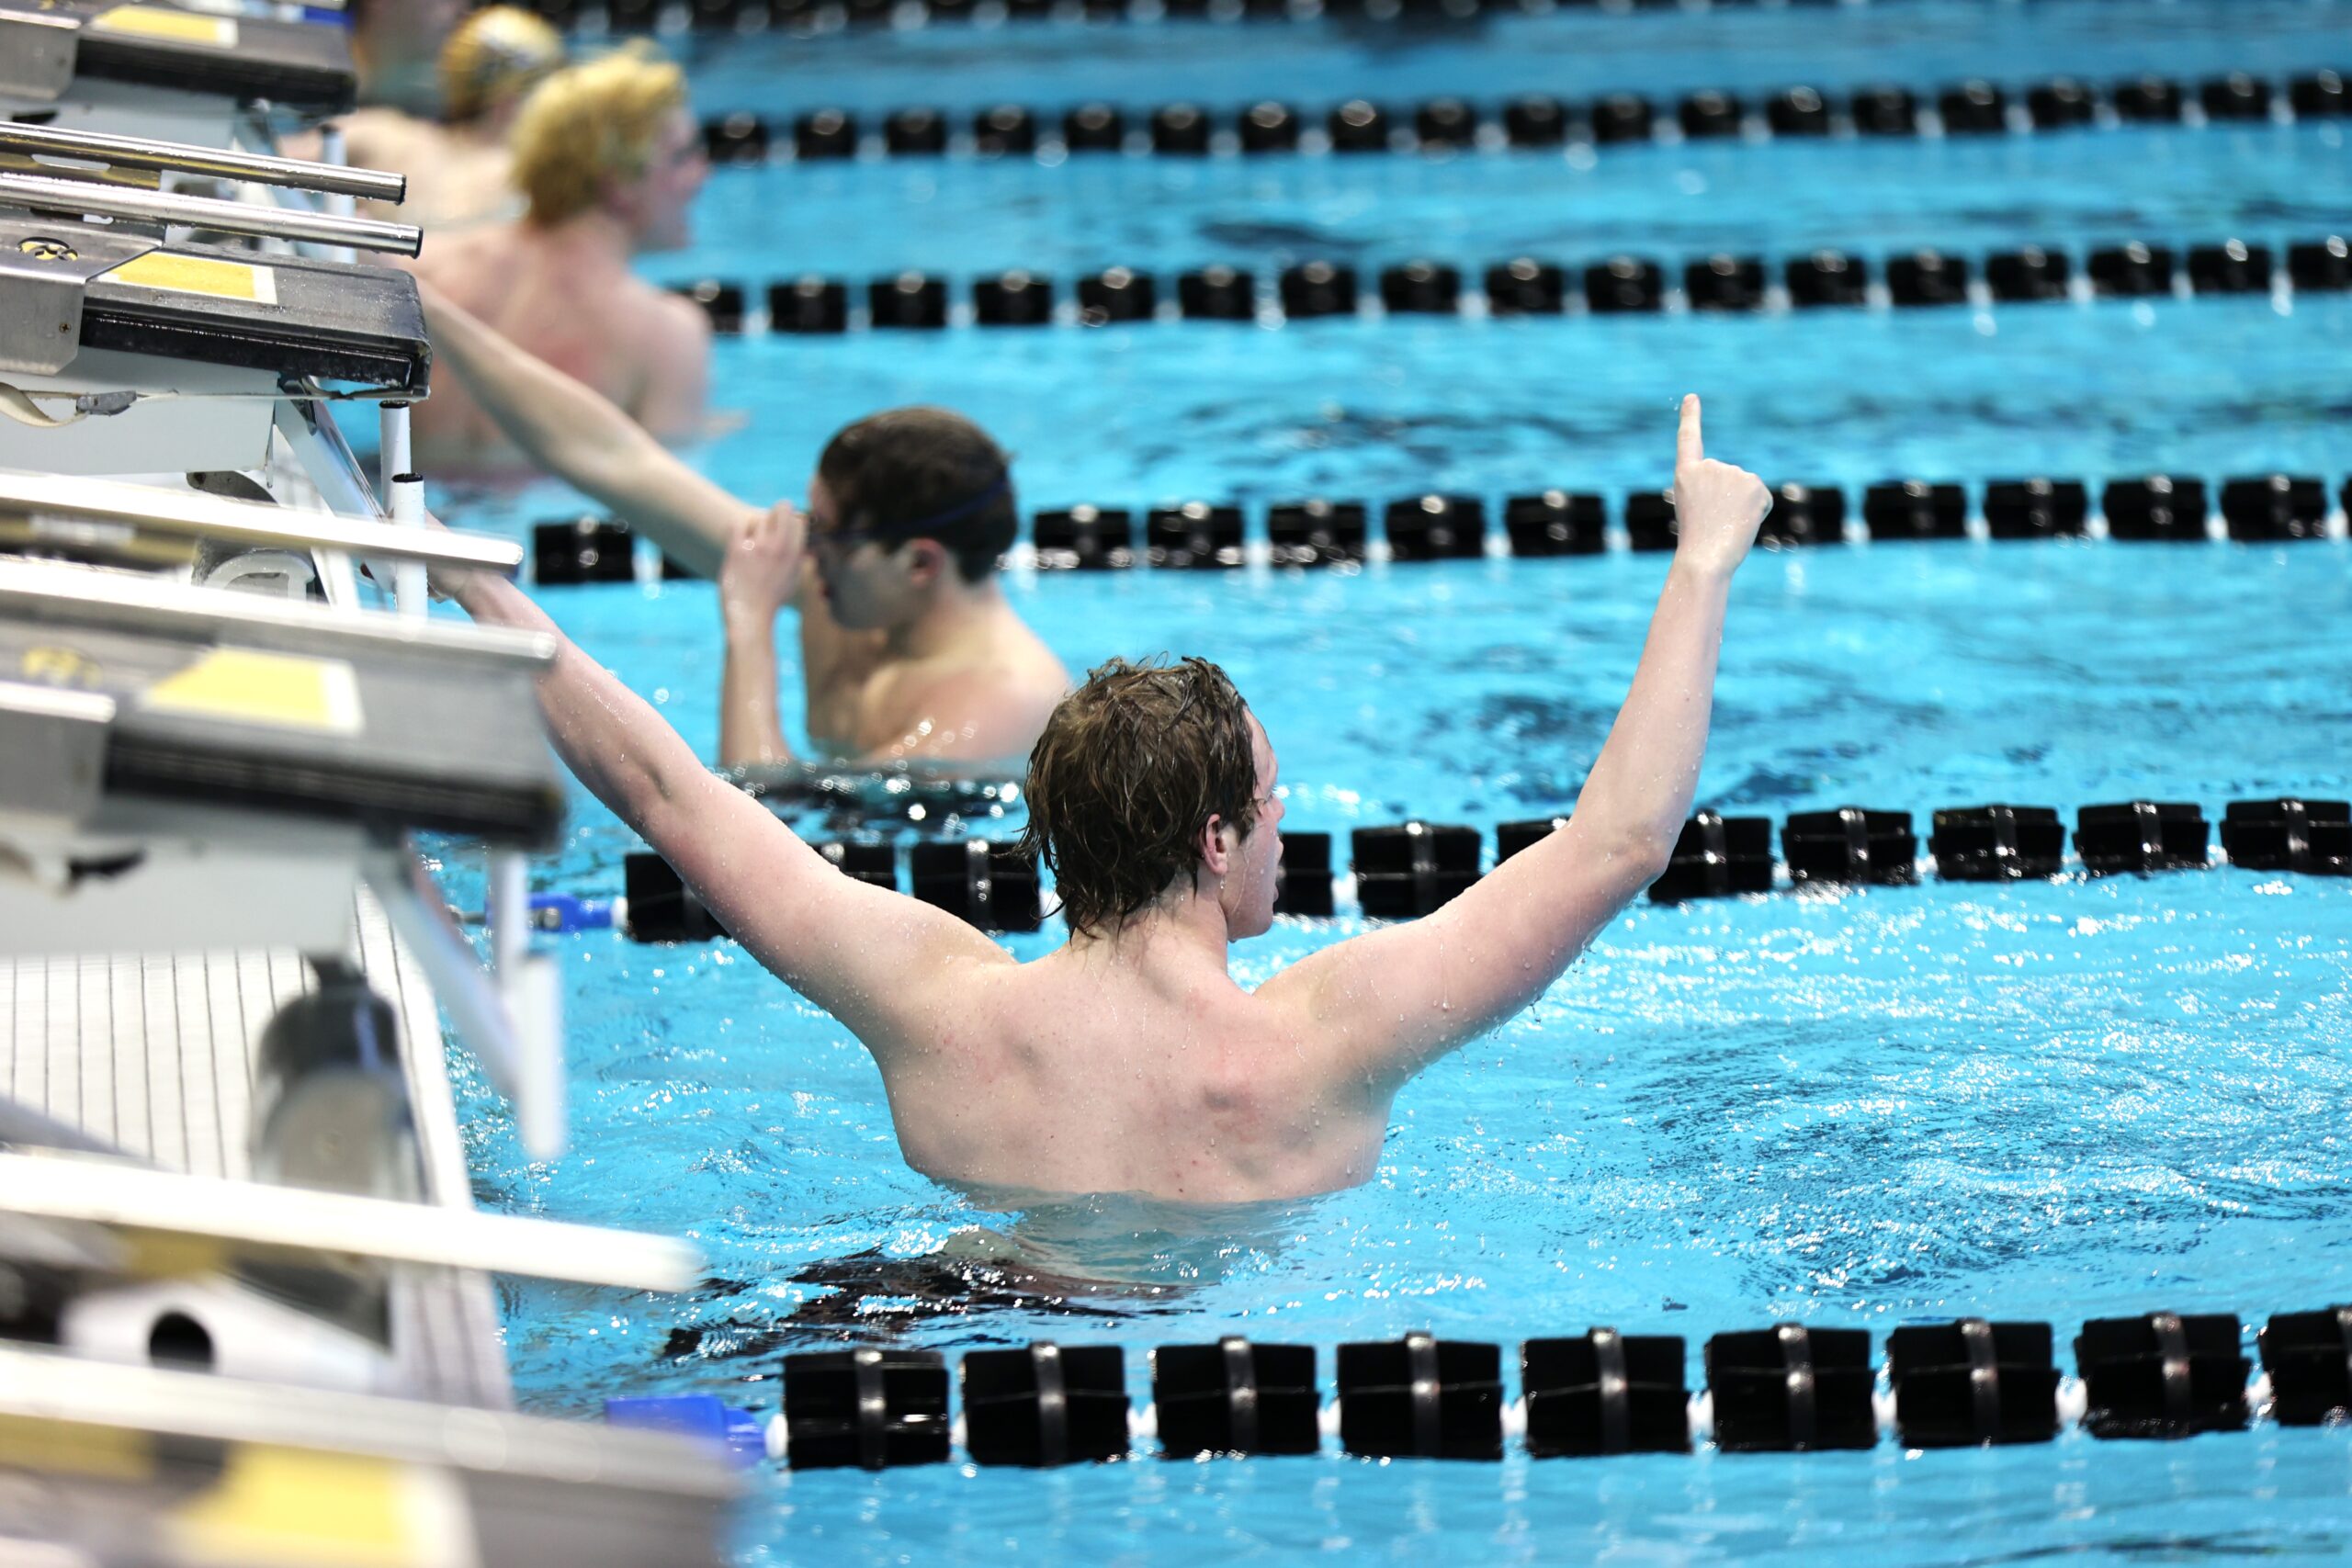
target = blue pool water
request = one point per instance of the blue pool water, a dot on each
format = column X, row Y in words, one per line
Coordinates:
column 2053, row 1101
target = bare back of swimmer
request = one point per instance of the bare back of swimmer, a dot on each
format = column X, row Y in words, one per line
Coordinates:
column 1129, row 1060
column 459, row 169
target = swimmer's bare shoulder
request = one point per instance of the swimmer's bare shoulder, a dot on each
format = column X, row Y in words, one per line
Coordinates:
column 669, row 339
column 951, row 708
column 674, row 315
column 1377, row 1008
column 889, row 967
column 460, row 266
column 378, row 138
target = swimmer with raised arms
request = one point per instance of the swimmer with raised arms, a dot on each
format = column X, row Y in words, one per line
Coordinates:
column 1129, row 1060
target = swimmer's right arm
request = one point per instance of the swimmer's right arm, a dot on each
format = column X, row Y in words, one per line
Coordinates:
column 887, row 965
column 585, row 440
column 764, row 565
column 1392, row 1000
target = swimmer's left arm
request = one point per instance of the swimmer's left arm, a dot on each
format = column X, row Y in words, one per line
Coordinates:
column 1395, row 1000
column 608, row 736
column 751, row 732
column 885, row 965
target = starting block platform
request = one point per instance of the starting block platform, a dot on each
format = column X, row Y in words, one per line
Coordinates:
column 147, row 68
column 155, row 1466
column 125, row 349
column 225, row 701
column 208, row 305
column 245, row 1309
column 154, row 1054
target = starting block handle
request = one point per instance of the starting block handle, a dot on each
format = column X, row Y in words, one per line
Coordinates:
column 329, row 176
column 532, row 989
column 512, row 1020
column 80, row 198
column 409, row 580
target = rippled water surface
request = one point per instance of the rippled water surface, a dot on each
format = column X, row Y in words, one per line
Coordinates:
column 2052, row 1102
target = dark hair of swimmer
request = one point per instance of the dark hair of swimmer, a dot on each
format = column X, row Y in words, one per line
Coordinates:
column 924, row 473
column 1130, row 768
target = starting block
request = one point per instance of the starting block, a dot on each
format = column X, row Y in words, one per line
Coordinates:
column 150, row 69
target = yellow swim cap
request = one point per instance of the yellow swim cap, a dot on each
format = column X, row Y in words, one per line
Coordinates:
column 496, row 55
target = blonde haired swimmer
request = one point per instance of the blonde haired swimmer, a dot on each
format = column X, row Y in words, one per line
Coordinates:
column 1130, row 1060
column 608, row 158
column 459, row 170
column 493, row 60
column 597, row 124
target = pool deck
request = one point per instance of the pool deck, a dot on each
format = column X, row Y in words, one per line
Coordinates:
column 155, row 1053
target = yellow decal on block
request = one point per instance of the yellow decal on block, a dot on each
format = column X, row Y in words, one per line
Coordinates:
column 299, row 1506
column 170, row 1255
column 46, row 1447
column 198, row 275
column 52, row 664
column 280, row 689
column 163, row 22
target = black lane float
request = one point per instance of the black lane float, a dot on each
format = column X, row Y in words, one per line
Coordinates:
column 1407, row 870
column 1788, row 1388
column 1322, row 531
column 1422, row 287
column 1539, row 121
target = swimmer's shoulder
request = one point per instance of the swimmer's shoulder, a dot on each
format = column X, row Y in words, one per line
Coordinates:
column 458, row 264
column 1283, row 1016
column 1003, row 700
column 670, row 331
column 670, row 311
column 1031, row 660
column 668, row 338
column 385, row 138
column 1256, row 1055
column 472, row 193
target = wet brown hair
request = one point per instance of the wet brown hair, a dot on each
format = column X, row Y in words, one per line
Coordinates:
column 924, row 473
column 1130, row 768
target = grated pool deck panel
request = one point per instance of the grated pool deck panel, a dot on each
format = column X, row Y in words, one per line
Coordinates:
column 154, row 1055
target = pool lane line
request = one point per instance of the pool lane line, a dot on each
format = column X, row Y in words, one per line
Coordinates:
column 1408, row 870
column 1576, row 128
column 1322, row 532
column 712, row 20
column 1788, row 1388
column 2133, row 272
